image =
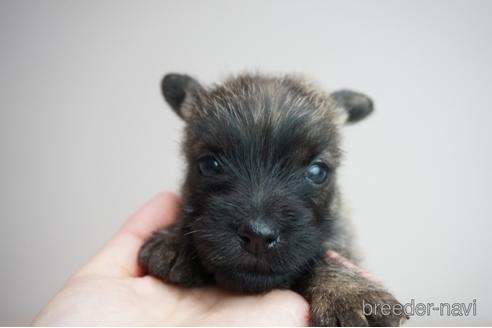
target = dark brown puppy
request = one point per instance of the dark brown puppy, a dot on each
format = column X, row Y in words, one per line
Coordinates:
column 261, row 204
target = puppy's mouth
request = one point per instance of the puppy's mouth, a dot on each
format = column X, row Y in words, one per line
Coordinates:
column 252, row 281
column 238, row 269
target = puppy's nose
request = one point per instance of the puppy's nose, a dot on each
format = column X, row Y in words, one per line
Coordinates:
column 257, row 236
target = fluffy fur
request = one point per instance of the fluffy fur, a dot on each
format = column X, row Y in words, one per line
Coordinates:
column 264, row 133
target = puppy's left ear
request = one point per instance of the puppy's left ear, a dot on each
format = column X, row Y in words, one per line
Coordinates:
column 353, row 106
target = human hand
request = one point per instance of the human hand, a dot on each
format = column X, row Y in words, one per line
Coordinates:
column 111, row 290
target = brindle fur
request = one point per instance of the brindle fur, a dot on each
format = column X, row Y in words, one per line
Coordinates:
column 265, row 131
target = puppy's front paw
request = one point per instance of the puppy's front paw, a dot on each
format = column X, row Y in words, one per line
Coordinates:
column 356, row 306
column 158, row 254
column 165, row 256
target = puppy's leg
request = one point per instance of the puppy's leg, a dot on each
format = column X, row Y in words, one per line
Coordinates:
column 341, row 294
column 169, row 256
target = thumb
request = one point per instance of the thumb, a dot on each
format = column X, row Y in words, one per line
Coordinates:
column 119, row 256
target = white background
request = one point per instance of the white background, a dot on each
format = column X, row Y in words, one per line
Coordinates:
column 86, row 138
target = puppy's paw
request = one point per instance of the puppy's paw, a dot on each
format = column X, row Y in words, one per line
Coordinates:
column 158, row 254
column 356, row 306
column 165, row 256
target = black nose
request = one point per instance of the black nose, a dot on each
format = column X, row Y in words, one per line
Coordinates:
column 257, row 236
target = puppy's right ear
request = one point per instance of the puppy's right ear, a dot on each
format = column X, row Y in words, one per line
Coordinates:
column 180, row 91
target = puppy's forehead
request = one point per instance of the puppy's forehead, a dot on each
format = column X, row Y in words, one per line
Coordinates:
column 266, row 117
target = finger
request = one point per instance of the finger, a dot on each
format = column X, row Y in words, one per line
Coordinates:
column 119, row 257
column 351, row 266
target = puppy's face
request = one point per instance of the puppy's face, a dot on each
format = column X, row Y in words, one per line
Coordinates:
column 260, row 191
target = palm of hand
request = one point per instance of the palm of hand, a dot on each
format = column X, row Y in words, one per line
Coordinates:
column 111, row 289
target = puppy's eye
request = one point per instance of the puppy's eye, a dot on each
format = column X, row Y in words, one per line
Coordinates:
column 317, row 173
column 208, row 166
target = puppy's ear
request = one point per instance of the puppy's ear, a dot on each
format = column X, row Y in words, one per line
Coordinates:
column 353, row 106
column 180, row 91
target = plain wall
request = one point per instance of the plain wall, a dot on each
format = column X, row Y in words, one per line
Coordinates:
column 86, row 138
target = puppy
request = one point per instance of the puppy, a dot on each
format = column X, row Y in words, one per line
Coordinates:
column 261, row 206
